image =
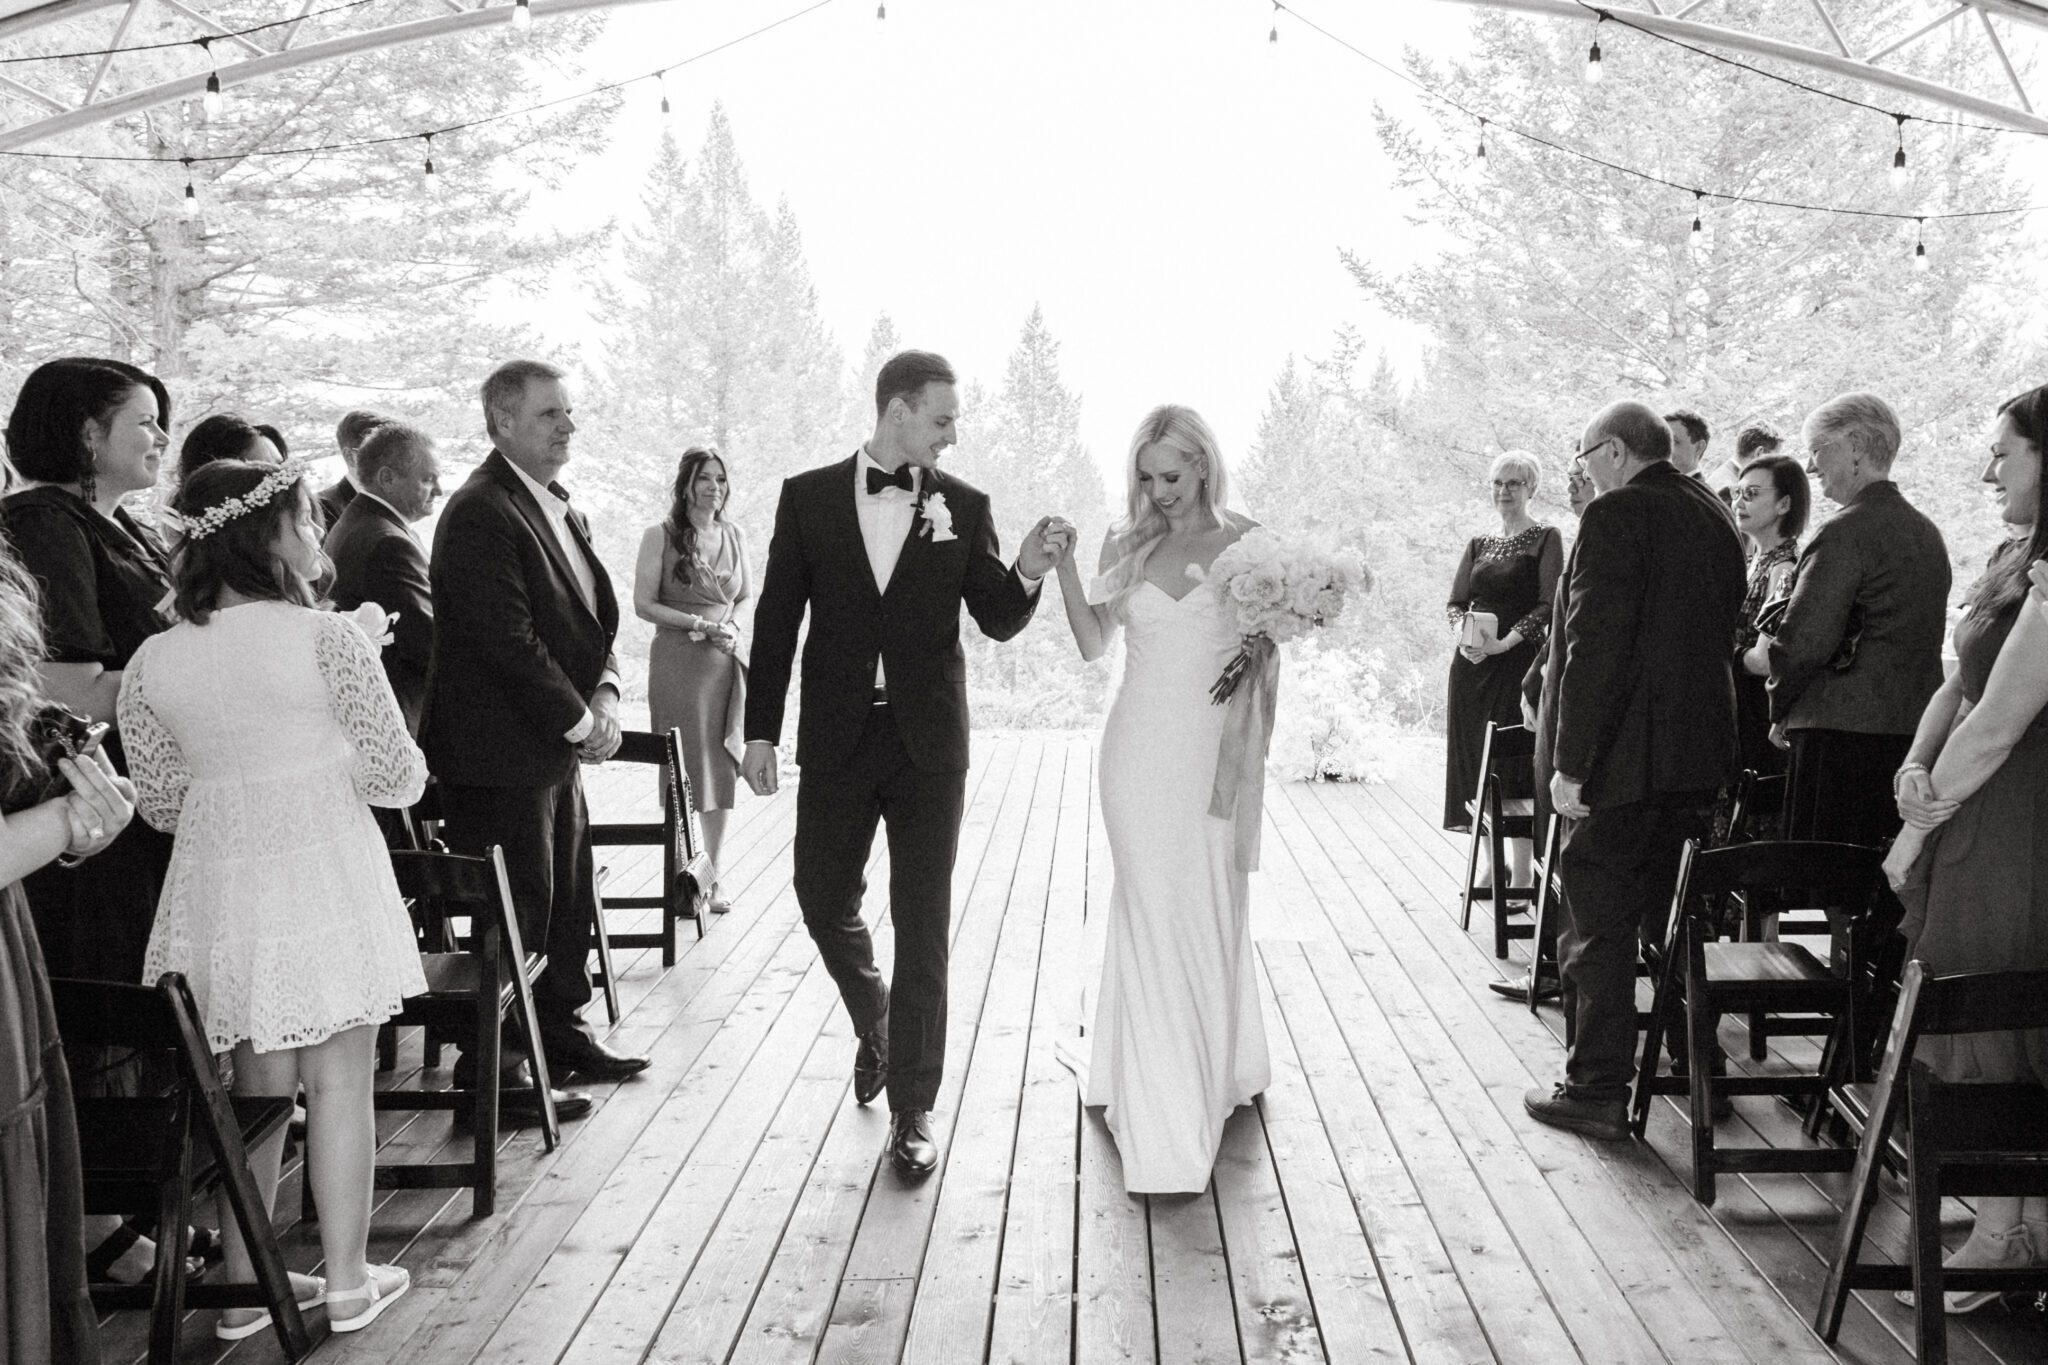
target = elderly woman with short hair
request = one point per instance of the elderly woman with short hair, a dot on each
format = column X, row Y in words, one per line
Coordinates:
column 1858, row 653
column 1500, row 602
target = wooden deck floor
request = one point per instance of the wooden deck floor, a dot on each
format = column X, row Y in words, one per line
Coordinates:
column 1386, row 1201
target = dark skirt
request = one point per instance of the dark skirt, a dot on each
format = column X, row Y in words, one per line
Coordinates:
column 1753, row 724
column 1978, row 902
column 1490, row 690
column 45, row 1313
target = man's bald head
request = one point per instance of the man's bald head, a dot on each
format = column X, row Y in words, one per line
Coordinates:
column 1620, row 440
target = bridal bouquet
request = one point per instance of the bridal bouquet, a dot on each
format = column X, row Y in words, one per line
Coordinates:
column 1279, row 591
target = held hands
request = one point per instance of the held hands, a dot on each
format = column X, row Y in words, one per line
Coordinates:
column 1779, row 737
column 1048, row 545
column 759, row 767
column 99, row 806
column 1918, row 805
column 1566, row 797
column 603, row 740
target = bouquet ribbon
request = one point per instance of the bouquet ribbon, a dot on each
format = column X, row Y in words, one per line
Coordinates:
column 1239, row 792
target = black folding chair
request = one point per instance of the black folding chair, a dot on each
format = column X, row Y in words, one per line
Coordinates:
column 1497, row 818
column 1956, row 1138
column 1701, row 978
column 470, row 992
column 1544, row 974
column 686, row 874
column 164, row 1152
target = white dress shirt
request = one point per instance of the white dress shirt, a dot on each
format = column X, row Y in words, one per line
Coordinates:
column 555, row 510
column 885, row 519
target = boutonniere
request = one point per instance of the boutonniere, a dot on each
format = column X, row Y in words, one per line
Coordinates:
column 938, row 519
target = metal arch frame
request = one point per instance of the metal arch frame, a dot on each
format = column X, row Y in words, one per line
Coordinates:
column 1838, row 60
column 65, row 118
column 62, row 116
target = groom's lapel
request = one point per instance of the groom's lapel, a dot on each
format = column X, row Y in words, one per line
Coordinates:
column 843, row 520
column 915, row 542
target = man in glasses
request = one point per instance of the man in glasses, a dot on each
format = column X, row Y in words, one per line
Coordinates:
column 1635, row 734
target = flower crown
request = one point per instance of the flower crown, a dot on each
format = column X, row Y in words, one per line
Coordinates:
column 221, row 513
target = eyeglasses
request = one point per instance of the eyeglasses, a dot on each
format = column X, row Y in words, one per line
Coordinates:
column 1502, row 485
column 1752, row 494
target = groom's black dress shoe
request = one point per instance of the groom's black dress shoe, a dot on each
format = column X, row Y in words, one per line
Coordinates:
column 1518, row 991
column 593, row 1059
column 910, row 1142
column 871, row 1063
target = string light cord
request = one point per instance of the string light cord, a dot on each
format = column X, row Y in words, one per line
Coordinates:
column 1493, row 121
column 187, row 42
column 1621, row 17
column 358, row 144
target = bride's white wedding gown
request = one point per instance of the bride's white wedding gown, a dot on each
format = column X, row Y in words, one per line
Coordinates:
column 1177, row 1041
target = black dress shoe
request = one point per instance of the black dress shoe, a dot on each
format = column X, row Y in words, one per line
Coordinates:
column 1518, row 991
column 523, row 1106
column 871, row 1063
column 593, row 1059
column 910, row 1142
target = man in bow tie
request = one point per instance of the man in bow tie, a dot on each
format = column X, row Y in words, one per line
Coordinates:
column 883, row 550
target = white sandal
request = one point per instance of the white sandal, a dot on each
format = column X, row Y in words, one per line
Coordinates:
column 223, row 1331
column 384, row 1287
column 2014, row 1250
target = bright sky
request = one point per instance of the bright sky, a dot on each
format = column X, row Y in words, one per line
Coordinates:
column 1171, row 187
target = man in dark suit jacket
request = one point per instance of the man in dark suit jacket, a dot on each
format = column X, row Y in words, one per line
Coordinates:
column 882, row 550
column 1635, row 735
column 1878, row 574
column 377, row 557
column 349, row 435
column 524, row 688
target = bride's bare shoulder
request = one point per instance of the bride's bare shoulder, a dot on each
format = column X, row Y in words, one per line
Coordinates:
column 1237, row 523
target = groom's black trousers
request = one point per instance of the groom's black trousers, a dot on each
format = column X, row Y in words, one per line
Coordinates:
column 836, row 811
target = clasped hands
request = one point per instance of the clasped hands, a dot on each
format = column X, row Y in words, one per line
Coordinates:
column 603, row 740
column 1048, row 545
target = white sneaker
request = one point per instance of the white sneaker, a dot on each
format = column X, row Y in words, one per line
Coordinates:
column 2012, row 1249
column 360, row 1307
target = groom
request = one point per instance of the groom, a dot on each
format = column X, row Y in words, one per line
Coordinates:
column 883, row 549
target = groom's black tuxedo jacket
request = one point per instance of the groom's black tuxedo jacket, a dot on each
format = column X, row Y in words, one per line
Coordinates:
column 818, row 560
column 516, row 653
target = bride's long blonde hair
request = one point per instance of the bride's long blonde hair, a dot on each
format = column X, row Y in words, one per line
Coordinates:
column 1133, row 538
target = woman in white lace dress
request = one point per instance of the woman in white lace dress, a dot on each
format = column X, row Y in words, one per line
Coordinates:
column 260, row 731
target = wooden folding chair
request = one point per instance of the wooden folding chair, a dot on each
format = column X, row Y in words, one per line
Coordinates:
column 1958, row 1138
column 470, row 992
column 1544, row 973
column 164, row 1152
column 1700, row 979
column 686, row 874
column 1497, row 818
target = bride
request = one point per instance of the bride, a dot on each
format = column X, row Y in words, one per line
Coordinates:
column 1178, row 1041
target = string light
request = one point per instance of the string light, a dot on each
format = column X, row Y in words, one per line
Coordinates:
column 211, row 100
column 522, row 16
column 1699, row 200
column 661, row 79
column 1898, row 176
column 1593, row 71
column 882, row 11
column 1920, row 244
column 189, row 209
column 431, row 181
column 1274, row 35
column 1480, row 154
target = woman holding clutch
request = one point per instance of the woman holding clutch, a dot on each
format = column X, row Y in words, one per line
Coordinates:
column 1500, row 605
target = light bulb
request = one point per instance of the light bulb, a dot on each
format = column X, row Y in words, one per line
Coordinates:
column 189, row 209
column 211, row 100
column 1898, row 175
column 522, row 15
column 1920, row 256
column 1593, row 71
column 882, row 11
column 1479, row 153
column 661, row 79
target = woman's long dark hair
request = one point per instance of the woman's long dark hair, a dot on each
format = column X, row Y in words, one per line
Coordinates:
column 2004, row 582
column 240, row 554
column 21, row 686
column 46, row 429
column 682, row 532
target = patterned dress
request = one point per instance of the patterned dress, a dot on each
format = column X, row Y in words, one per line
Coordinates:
column 262, row 738
column 1770, row 578
column 1511, row 577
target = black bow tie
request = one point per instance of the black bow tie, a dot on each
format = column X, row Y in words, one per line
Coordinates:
column 904, row 478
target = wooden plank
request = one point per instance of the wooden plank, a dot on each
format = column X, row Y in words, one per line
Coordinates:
column 963, row 1250
column 896, row 1223
column 1196, row 1320
column 1113, row 1307
column 1354, row 1314
column 1034, row 1308
column 795, row 1305
column 1276, row 1321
